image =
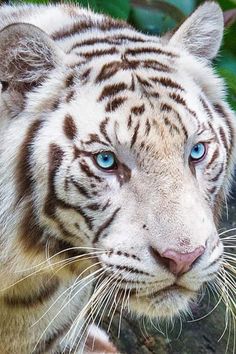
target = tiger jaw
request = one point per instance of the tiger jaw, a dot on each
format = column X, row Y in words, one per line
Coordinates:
column 167, row 303
column 166, row 296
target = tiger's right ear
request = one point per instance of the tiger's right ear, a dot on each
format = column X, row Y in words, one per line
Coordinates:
column 201, row 33
column 27, row 55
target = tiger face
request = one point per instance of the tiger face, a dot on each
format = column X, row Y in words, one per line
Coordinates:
column 126, row 149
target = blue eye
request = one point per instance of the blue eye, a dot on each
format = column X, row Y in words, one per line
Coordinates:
column 198, row 152
column 106, row 160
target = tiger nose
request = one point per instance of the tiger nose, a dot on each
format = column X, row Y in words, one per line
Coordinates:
column 178, row 263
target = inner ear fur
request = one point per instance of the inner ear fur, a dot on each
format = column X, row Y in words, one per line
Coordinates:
column 27, row 55
column 201, row 33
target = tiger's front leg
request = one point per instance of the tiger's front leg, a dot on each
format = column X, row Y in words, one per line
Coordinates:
column 98, row 342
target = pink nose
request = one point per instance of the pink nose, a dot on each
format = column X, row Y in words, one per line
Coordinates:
column 178, row 263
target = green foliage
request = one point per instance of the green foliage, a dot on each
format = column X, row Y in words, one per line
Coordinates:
column 159, row 16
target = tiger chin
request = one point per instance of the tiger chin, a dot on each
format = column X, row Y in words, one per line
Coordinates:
column 117, row 153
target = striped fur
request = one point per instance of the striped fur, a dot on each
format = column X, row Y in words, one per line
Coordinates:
column 86, row 83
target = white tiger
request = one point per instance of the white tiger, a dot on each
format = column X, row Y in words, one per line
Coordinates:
column 117, row 149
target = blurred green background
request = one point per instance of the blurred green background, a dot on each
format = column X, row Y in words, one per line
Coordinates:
column 157, row 17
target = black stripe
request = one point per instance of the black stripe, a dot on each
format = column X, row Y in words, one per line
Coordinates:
column 111, row 90
column 167, row 82
column 82, row 190
column 34, row 299
column 106, row 224
column 24, row 178
column 206, row 107
column 83, row 26
column 115, row 104
column 138, row 110
column 99, row 52
column 213, row 158
column 214, row 179
column 144, row 50
column 134, row 137
column 108, row 40
column 86, row 169
column 156, row 65
column 130, row 270
column 103, row 130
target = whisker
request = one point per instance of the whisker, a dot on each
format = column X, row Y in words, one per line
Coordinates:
column 67, row 289
column 95, row 300
column 51, row 321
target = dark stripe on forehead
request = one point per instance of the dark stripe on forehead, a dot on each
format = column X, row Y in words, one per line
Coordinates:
column 138, row 110
column 94, row 138
column 145, row 50
column 34, row 299
column 143, row 81
column 171, row 126
column 84, row 76
column 24, row 178
column 148, row 127
column 164, row 107
column 167, row 82
column 83, row 26
column 69, row 127
column 70, row 96
column 177, row 116
column 116, row 39
column 103, row 130
column 111, row 90
column 156, row 65
column 99, row 52
column 130, row 121
column 70, row 80
column 115, row 104
column 108, row 70
column 177, row 98
column 106, row 224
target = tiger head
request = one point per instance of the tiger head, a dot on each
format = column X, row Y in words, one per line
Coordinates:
column 123, row 148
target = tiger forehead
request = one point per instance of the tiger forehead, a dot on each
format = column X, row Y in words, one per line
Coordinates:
column 140, row 103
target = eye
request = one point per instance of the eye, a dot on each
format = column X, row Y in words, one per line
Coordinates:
column 106, row 160
column 198, row 152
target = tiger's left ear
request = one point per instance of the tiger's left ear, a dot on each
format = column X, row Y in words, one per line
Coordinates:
column 27, row 55
column 201, row 34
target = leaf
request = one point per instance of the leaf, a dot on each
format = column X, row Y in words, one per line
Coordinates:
column 229, row 17
column 227, row 4
column 169, row 9
column 149, row 21
column 117, row 9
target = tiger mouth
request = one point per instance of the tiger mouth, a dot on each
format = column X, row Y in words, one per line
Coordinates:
column 166, row 292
